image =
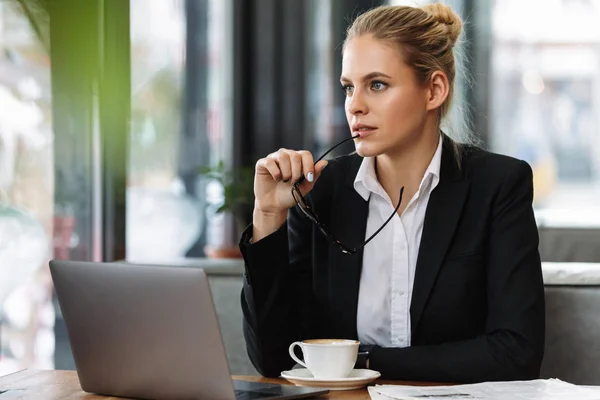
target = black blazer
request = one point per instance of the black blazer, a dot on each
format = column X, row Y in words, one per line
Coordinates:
column 477, row 309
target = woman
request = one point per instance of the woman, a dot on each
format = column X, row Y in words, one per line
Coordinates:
column 451, row 288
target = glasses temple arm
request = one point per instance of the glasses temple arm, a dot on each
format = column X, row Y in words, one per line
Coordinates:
column 382, row 226
column 340, row 143
column 327, row 152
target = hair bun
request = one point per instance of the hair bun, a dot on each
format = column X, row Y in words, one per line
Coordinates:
column 445, row 15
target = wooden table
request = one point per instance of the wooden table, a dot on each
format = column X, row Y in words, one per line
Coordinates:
column 54, row 385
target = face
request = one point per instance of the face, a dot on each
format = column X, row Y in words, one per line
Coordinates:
column 385, row 104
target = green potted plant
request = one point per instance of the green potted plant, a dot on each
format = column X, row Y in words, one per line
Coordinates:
column 237, row 199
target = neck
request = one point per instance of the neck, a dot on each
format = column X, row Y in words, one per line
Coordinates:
column 406, row 166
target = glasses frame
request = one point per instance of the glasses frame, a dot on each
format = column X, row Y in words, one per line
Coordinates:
column 312, row 215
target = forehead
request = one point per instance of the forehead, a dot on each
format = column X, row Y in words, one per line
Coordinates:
column 365, row 54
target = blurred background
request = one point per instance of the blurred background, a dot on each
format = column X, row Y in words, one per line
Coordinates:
column 129, row 128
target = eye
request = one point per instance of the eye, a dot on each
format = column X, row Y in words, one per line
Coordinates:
column 378, row 85
column 347, row 89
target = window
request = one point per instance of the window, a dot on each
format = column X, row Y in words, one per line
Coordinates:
column 26, row 194
column 181, row 119
column 546, row 102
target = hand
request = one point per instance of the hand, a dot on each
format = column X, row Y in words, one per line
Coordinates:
column 274, row 176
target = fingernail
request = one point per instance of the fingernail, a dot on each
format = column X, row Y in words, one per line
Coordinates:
column 310, row 176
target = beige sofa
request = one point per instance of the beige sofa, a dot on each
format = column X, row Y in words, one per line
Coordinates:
column 572, row 322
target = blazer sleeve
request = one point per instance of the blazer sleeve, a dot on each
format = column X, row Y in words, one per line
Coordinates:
column 513, row 343
column 278, row 302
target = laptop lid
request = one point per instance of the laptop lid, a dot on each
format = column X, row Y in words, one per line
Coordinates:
column 145, row 331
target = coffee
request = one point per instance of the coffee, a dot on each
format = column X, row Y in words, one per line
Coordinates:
column 327, row 358
column 328, row 341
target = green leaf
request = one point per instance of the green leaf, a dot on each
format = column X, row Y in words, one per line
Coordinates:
column 204, row 170
column 215, row 176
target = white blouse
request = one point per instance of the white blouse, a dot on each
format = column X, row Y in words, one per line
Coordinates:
column 389, row 260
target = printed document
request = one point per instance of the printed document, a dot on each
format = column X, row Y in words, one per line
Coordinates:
column 539, row 389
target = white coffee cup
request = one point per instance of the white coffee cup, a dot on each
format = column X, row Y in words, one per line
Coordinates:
column 327, row 358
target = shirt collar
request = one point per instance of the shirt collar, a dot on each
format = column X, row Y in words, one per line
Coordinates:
column 366, row 181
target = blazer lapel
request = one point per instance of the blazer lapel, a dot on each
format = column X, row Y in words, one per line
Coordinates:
column 441, row 218
column 348, row 224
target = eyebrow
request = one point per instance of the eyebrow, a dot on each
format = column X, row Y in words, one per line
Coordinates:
column 368, row 76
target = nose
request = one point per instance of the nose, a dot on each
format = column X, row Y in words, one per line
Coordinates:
column 356, row 104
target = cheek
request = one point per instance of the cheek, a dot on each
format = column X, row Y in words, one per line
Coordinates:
column 405, row 107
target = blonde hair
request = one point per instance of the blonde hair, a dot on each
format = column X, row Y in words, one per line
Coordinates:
column 426, row 36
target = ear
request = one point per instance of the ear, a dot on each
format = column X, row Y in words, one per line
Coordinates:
column 438, row 90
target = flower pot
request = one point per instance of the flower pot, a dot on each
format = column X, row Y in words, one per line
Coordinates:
column 63, row 231
column 232, row 251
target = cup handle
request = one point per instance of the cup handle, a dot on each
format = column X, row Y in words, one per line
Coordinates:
column 293, row 355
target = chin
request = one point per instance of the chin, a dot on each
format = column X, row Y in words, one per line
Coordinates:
column 368, row 149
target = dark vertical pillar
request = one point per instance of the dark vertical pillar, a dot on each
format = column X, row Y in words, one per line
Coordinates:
column 270, row 77
column 265, row 78
column 115, row 108
column 478, row 35
column 243, row 71
column 194, row 148
column 293, row 90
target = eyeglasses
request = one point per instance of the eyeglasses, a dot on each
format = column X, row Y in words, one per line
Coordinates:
column 312, row 216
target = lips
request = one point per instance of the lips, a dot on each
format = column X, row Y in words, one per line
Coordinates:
column 363, row 129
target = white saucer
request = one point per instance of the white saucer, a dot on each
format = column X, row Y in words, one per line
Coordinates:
column 357, row 379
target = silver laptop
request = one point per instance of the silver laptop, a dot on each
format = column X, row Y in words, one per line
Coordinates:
column 150, row 332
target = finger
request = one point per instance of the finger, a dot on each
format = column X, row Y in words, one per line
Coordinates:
column 283, row 161
column 296, row 165
column 308, row 169
column 270, row 166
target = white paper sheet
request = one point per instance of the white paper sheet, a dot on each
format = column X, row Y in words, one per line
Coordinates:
column 550, row 389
